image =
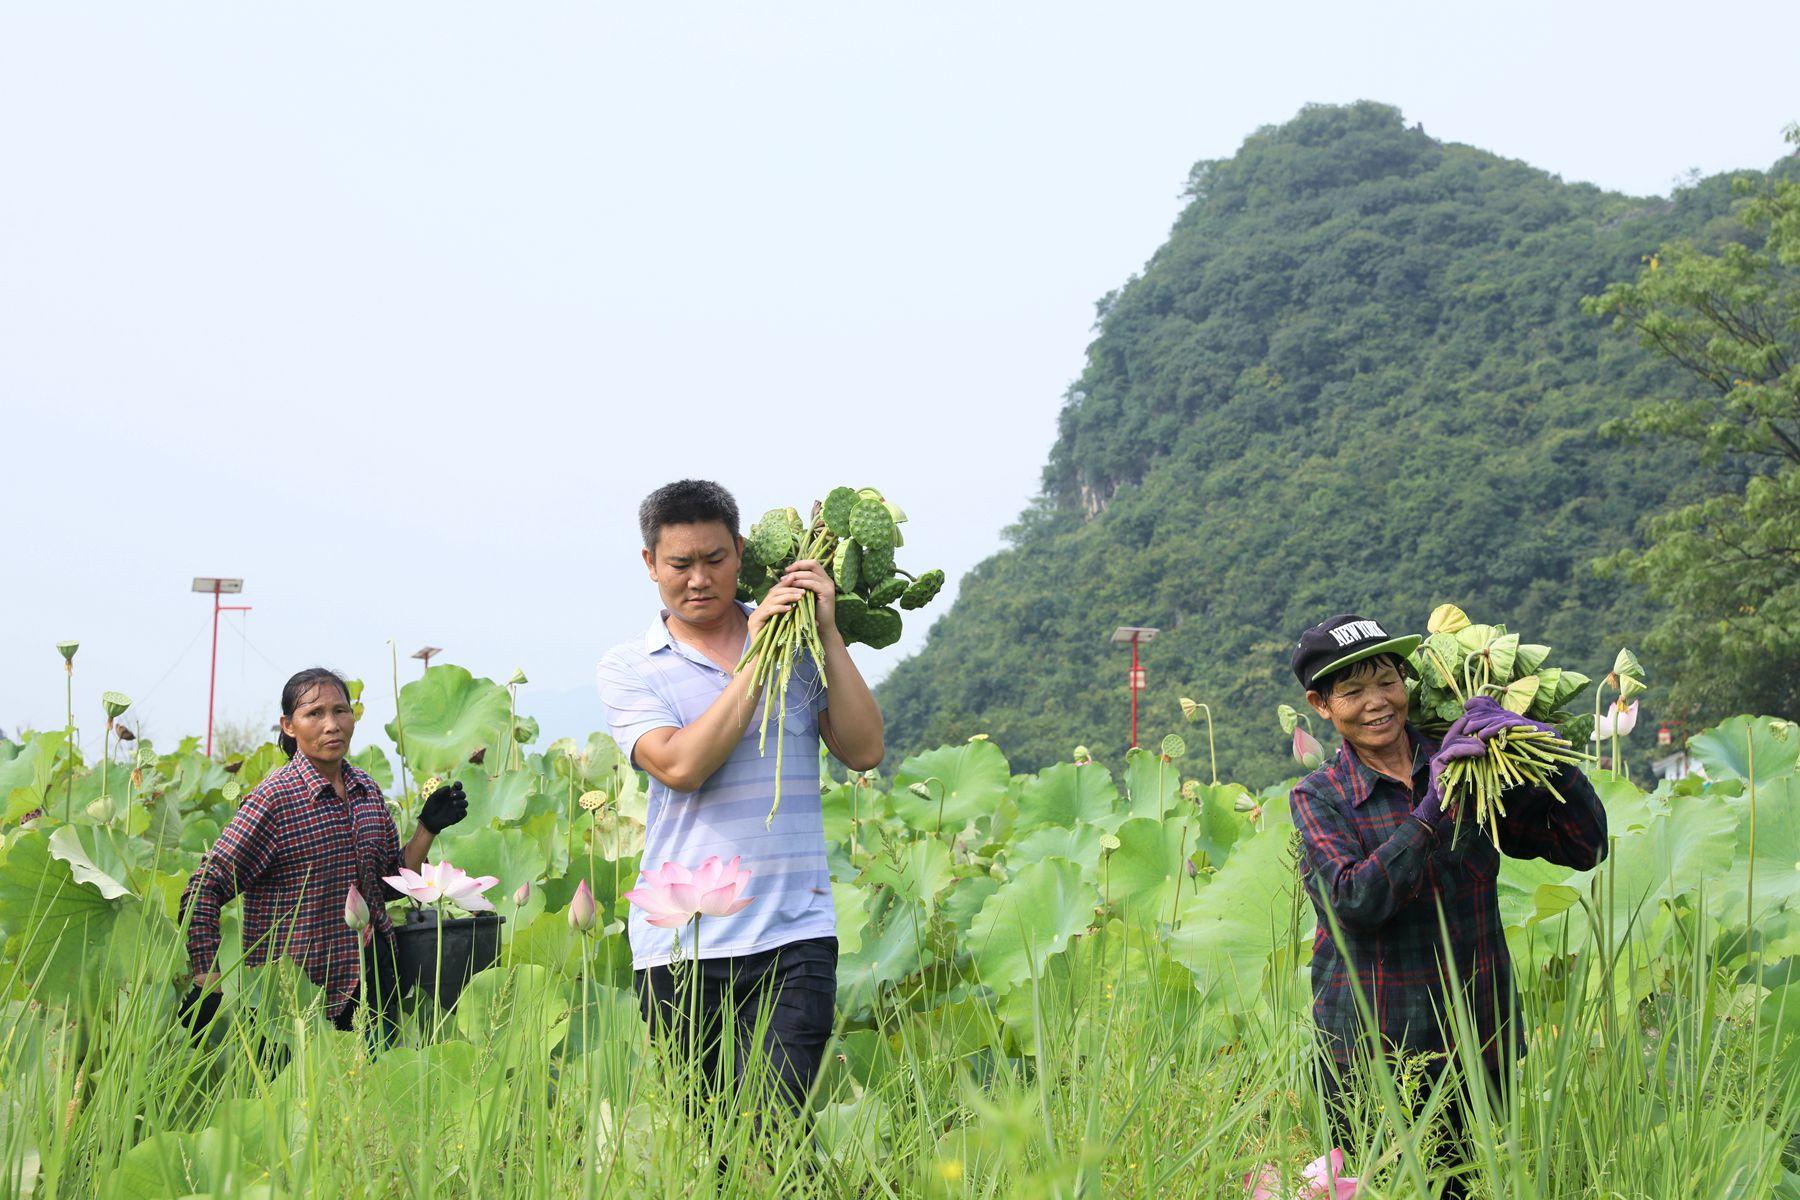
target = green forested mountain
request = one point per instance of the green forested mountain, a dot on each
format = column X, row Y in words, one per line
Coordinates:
column 1356, row 377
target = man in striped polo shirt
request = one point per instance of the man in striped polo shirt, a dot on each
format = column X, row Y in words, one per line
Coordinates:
column 681, row 714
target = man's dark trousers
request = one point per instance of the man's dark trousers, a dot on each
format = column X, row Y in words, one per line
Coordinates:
column 797, row 983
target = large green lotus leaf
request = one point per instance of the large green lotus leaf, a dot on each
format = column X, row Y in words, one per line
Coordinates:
column 526, row 1000
column 1065, row 794
column 94, row 857
column 40, row 895
column 1140, row 877
column 494, row 801
column 509, row 854
column 1518, row 886
column 1218, row 824
column 965, row 898
column 890, row 952
column 1230, row 927
column 972, row 778
column 549, row 942
column 1772, row 878
column 171, row 1164
column 1080, row 845
column 1031, row 917
column 25, row 777
column 1152, row 786
column 1676, row 850
column 851, row 906
column 918, row 872
column 439, row 1081
column 1730, row 749
column 447, row 715
column 851, row 1132
column 847, row 805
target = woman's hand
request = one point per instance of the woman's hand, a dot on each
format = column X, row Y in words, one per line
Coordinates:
column 444, row 808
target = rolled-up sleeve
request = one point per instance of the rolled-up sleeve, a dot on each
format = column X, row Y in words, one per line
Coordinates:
column 1570, row 832
column 1363, row 890
column 242, row 855
column 633, row 708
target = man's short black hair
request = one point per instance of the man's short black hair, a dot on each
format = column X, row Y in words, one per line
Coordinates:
column 686, row 502
column 1325, row 683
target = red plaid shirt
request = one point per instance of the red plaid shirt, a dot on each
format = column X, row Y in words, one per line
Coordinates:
column 293, row 849
column 1384, row 874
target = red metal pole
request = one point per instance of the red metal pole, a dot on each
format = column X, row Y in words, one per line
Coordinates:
column 212, row 676
column 1134, row 691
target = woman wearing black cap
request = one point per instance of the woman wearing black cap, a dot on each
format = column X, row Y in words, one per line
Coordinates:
column 1380, row 859
column 300, row 841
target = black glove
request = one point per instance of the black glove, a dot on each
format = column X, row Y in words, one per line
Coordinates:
column 444, row 808
column 198, row 1008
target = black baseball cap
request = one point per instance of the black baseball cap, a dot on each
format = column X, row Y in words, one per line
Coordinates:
column 1334, row 644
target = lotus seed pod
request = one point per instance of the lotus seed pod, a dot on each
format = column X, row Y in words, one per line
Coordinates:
column 1189, row 709
column 887, row 592
column 114, row 703
column 1082, row 755
column 429, row 786
column 835, row 511
column 846, row 566
column 592, row 801
column 1173, row 746
column 924, row 590
column 518, row 677
column 775, row 536
column 880, row 627
column 877, row 566
column 850, row 610
column 67, row 650
column 871, row 525
column 146, row 756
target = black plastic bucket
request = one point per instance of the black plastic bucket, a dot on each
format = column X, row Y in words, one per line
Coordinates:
column 467, row 945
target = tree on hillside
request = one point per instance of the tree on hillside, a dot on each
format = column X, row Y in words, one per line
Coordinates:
column 1727, row 565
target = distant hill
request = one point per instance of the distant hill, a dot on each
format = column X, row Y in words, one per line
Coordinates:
column 1356, row 377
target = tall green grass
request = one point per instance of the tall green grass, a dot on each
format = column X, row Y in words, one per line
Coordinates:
column 1128, row 1086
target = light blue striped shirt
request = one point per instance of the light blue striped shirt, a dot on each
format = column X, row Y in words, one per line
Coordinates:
column 656, row 682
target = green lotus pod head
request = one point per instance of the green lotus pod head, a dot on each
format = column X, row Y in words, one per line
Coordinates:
column 518, row 677
column 1083, row 755
column 102, row 810
column 1109, row 842
column 1627, row 666
column 1189, row 710
column 880, row 628
column 922, row 789
column 67, row 650
column 869, row 493
column 1190, row 790
column 231, row 791
column 1631, row 685
column 1530, row 657
column 887, row 592
column 1173, row 746
column 1245, row 804
column 835, row 510
column 877, row 566
column 1447, row 618
column 145, row 757
column 924, row 590
column 115, row 703
column 846, row 566
column 1520, row 693
column 871, row 525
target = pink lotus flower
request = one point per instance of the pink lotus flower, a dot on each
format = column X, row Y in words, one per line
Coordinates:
column 1307, row 750
column 356, row 909
column 1322, row 1179
column 434, row 882
column 672, row 895
column 582, row 909
column 1618, row 720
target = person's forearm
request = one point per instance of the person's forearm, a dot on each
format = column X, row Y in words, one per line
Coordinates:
column 856, row 725
column 690, row 755
column 416, row 848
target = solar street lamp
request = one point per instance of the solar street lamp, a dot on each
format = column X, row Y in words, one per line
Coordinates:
column 424, row 653
column 216, row 587
column 1135, row 635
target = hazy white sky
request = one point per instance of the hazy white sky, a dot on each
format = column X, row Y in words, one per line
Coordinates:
column 396, row 310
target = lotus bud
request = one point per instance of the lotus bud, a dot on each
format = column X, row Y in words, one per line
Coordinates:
column 67, row 650
column 1307, row 750
column 523, row 895
column 1082, row 755
column 582, row 909
column 356, row 909
column 115, row 703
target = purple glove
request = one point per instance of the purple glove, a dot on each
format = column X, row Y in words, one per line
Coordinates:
column 1484, row 717
column 1457, row 744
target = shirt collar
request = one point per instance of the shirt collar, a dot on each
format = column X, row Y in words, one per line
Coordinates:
column 658, row 637
column 315, row 782
column 1362, row 778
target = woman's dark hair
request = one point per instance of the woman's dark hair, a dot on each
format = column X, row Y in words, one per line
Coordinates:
column 1325, row 683
column 296, row 690
column 685, row 502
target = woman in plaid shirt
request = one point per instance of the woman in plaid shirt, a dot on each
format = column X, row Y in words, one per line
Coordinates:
column 298, row 843
column 1380, row 859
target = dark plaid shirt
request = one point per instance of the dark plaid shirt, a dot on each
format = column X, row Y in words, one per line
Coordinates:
column 293, row 849
column 1384, row 873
